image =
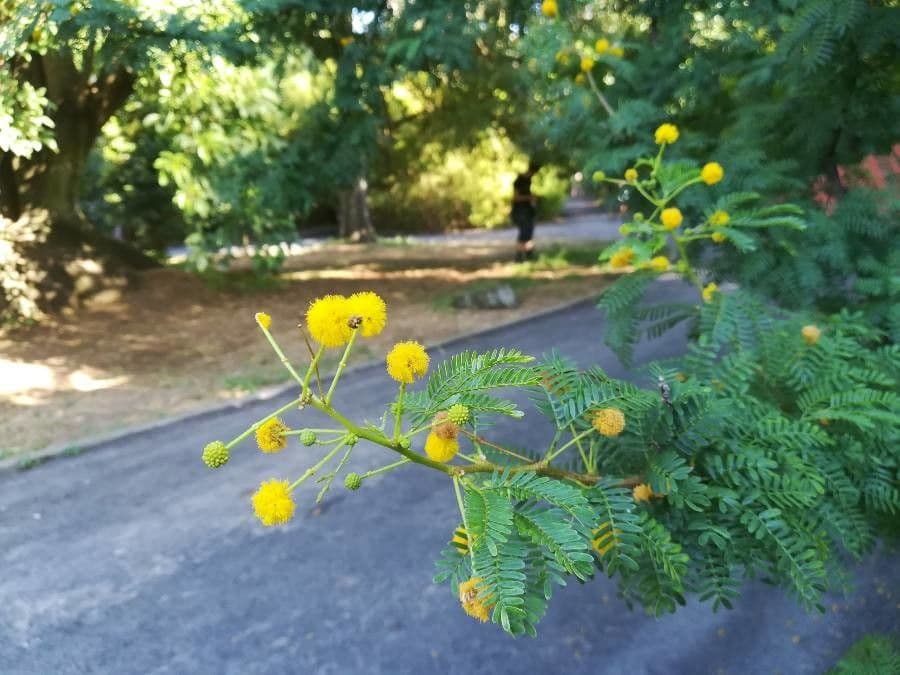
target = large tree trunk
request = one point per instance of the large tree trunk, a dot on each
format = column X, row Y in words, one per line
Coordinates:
column 50, row 248
column 354, row 219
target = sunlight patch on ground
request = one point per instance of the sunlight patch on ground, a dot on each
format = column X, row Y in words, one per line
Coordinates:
column 23, row 383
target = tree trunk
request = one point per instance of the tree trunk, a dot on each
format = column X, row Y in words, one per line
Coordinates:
column 354, row 219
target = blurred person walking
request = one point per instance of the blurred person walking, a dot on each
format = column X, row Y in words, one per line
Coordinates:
column 524, row 210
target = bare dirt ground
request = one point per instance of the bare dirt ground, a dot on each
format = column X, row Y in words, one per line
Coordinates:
column 174, row 342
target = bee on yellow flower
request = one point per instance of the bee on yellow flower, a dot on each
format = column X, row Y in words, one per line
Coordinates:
column 642, row 493
column 712, row 173
column 666, row 134
column 709, row 291
column 609, row 422
column 549, row 9
column 719, row 218
column 407, row 361
column 631, row 175
column 273, row 503
column 327, row 319
column 601, row 46
column 270, row 435
column 371, row 309
column 621, row 258
column 671, row 218
column 587, row 64
column 811, row 334
column 472, row 602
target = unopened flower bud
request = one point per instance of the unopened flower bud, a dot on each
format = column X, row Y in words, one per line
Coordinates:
column 307, row 437
column 352, row 481
column 215, row 455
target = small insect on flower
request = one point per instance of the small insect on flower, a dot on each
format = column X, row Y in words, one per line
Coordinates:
column 811, row 334
column 327, row 319
column 474, row 605
column 621, row 258
column 549, row 8
column 658, row 263
column 215, row 454
column 371, row 309
column 718, row 237
column 587, row 64
column 709, row 291
column 270, row 435
column 631, row 175
column 441, row 449
column 671, row 218
column 264, row 320
column 407, row 361
column 601, row 46
column 719, row 218
column 666, row 134
column 642, row 493
column 712, row 173
column 273, row 503
column 609, row 422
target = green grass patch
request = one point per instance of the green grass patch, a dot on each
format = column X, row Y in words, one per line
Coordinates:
column 872, row 655
column 561, row 256
column 241, row 281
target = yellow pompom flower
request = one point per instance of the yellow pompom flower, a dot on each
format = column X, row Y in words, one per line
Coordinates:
column 407, row 361
column 587, row 64
column 671, row 218
column 270, row 435
column 642, row 493
column 718, row 237
column 604, row 538
column 371, row 309
column 264, row 320
column 719, row 218
column 441, row 449
column 712, row 173
column 601, row 46
column 621, row 258
column 609, row 422
column 811, row 334
column 618, row 52
column 327, row 319
column 475, row 606
column 631, row 175
column 709, row 291
column 273, row 503
column 549, row 8
column 666, row 134
column 659, row 263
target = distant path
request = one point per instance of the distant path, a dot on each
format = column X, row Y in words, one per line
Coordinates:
column 134, row 558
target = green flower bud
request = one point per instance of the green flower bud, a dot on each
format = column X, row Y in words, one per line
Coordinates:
column 639, row 217
column 307, row 437
column 599, row 176
column 458, row 414
column 215, row 455
column 351, row 439
column 352, row 481
column 404, row 443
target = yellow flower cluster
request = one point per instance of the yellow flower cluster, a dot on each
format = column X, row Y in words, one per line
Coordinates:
column 601, row 46
column 587, row 64
column 719, row 218
column 549, row 8
column 671, row 218
column 642, row 493
column 273, row 503
column 371, row 309
column 264, row 320
column 811, row 334
column 666, row 134
column 712, row 173
column 609, row 422
column 329, row 318
column 658, row 263
column 474, row 605
column 441, row 449
column 709, row 291
column 407, row 361
column 621, row 258
column 718, row 237
column 270, row 435
column 631, row 175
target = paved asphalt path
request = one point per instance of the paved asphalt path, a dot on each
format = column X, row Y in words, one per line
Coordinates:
column 134, row 558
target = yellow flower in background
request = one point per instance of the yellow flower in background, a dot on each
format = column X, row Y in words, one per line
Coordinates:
column 549, row 8
column 587, row 64
column 270, row 435
column 273, row 503
column 619, row 52
column 631, row 175
column 407, row 361
column 659, row 263
column 719, row 218
column 811, row 334
column 718, row 237
column 474, row 606
column 327, row 319
column 604, row 538
column 621, row 258
column 263, row 319
column 441, row 449
column 601, row 46
column 712, row 173
column 371, row 309
column 562, row 57
column 609, row 422
column 642, row 493
column 579, row 78
column 671, row 218
column 666, row 134
column 346, row 40
column 709, row 291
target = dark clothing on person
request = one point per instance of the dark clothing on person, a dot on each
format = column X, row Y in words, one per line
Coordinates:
column 523, row 211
